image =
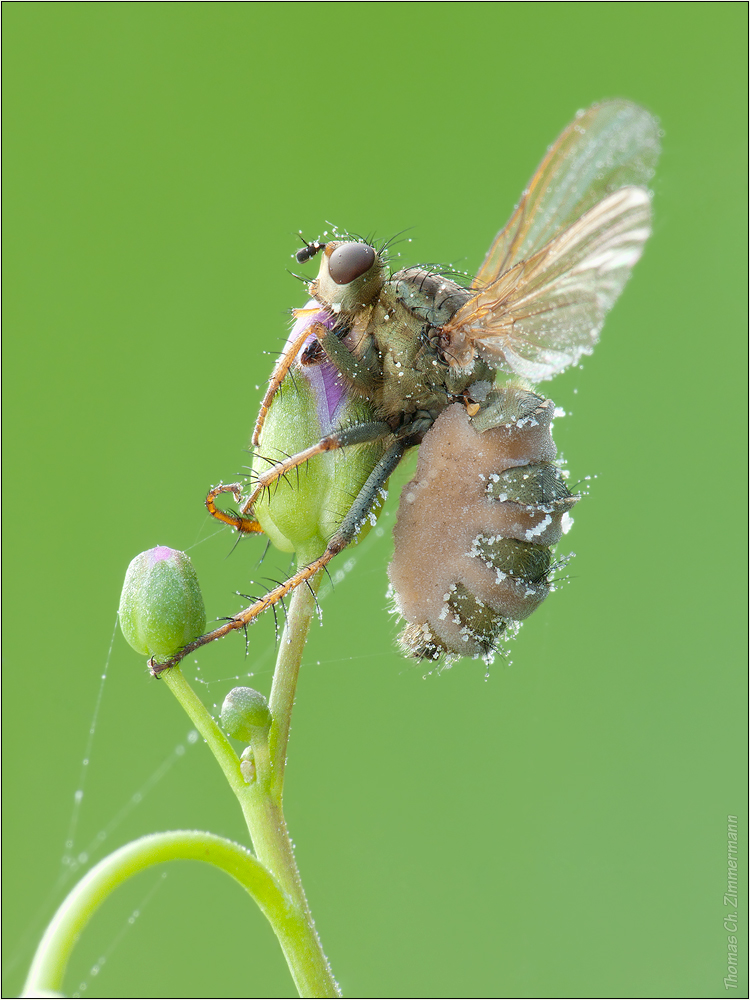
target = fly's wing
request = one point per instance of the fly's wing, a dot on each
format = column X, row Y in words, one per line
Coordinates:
column 612, row 145
column 543, row 314
column 553, row 273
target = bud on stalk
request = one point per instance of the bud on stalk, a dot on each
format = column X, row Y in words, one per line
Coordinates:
column 301, row 511
column 244, row 713
column 161, row 607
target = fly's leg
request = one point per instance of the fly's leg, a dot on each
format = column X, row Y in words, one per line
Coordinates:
column 246, row 525
column 361, row 375
column 372, row 430
column 245, row 522
column 345, row 533
column 279, row 373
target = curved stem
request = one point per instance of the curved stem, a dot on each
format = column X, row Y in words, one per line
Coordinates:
column 290, row 926
column 272, row 878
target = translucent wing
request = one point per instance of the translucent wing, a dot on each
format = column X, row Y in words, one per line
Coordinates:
column 546, row 312
column 611, row 145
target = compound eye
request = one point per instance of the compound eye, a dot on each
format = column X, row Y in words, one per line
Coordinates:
column 350, row 261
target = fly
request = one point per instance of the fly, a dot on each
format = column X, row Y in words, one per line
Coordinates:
column 427, row 357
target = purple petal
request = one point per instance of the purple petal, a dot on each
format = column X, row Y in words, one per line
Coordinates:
column 326, row 381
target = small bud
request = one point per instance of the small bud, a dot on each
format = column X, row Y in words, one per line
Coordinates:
column 161, row 607
column 244, row 712
column 247, row 765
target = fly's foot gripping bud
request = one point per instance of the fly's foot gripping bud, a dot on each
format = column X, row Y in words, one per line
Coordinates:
column 161, row 607
column 245, row 525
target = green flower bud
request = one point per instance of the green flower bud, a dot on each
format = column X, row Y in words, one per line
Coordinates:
column 302, row 510
column 243, row 713
column 161, row 607
column 247, row 765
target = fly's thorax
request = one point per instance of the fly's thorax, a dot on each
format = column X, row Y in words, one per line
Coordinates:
column 411, row 377
column 435, row 299
column 403, row 328
column 350, row 277
column 474, row 527
column 431, row 297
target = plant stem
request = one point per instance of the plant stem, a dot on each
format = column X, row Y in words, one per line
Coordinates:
column 219, row 745
column 271, row 876
column 284, row 687
column 52, row 955
column 261, row 800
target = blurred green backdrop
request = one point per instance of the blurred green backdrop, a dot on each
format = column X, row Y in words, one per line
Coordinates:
column 555, row 830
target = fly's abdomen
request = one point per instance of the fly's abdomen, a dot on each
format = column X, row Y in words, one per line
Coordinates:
column 475, row 526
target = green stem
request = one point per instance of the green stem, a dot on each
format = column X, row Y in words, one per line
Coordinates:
column 203, row 721
column 272, row 878
column 261, row 801
column 284, row 687
column 52, row 955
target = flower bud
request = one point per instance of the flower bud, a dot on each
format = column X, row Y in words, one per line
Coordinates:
column 243, row 713
column 247, row 765
column 161, row 607
column 303, row 509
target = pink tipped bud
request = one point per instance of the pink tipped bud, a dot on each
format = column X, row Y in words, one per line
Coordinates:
column 161, row 607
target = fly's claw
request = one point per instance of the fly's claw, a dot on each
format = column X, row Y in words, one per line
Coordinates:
column 243, row 524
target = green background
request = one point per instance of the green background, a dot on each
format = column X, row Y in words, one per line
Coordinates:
column 555, row 830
